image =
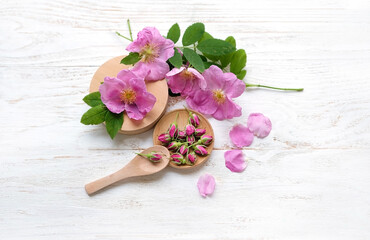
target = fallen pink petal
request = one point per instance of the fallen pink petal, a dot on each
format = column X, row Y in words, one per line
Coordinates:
column 206, row 185
column 241, row 136
column 259, row 125
column 234, row 160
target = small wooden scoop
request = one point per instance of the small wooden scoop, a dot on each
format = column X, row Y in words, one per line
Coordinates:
column 139, row 166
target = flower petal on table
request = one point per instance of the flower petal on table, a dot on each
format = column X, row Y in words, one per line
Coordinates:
column 234, row 160
column 259, row 125
column 206, row 185
column 241, row 136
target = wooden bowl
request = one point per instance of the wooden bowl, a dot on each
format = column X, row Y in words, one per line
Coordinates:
column 158, row 88
column 166, row 120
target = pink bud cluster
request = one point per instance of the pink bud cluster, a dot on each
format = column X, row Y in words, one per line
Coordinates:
column 185, row 145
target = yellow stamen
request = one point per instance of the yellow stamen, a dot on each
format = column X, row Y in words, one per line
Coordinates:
column 149, row 53
column 187, row 75
column 128, row 96
column 219, row 96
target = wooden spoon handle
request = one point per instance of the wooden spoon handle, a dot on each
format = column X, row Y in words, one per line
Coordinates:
column 105, row 181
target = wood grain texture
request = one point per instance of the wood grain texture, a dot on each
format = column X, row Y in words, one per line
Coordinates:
column 309, row 179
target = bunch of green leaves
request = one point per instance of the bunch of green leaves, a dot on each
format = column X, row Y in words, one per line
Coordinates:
column 99, row 113
column 202, row 50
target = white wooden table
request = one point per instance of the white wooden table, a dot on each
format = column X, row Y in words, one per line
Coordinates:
column 309, row 179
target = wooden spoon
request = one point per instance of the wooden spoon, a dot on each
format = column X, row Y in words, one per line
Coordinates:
column 139, row 166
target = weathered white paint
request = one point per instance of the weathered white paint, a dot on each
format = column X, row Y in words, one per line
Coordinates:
column 308, row 180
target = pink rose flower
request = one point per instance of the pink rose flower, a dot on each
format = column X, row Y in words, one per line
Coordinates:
column 234, row 160
column 206, row 185
column 127, row 92
column 155, row 50
column 185, row 80
column 216, row 99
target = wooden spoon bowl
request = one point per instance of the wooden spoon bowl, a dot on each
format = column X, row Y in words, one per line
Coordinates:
column 166, row 120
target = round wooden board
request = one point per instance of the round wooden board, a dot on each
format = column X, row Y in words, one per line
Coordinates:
column 166, row 120
column 158, row 88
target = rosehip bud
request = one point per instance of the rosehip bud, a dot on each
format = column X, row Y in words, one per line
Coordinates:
column 192, row 157
column 173, row 130
column 165, row 138
column 201, row 150
column 181, row 135
column 153, row 156
column 199, row 132
column 190, row 139
column 173, row 146
column 189, row 129
column 206, row 139
column 177, row 158
column 194, row 119
column 184, row 149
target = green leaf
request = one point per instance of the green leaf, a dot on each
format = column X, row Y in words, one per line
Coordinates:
column 204, row 59
column 176, row 60
column 208, row 64
column 242, row 74
column 205, row 37
column 192, row 34
column 113, row 123
column 225, row 60
column 132, row 58
column 94, row 115
column 215, row 47
column 238, row 61
column 93, row 99
column 194, row 59
column 174, row 33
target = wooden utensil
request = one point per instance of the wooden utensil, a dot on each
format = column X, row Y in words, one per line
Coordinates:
column 158, row 88
column 182, row 120
column 139, row 166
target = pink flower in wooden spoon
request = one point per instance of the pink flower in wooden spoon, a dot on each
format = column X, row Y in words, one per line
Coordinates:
column 154, row 50
column 127, row 92
column 206, row 185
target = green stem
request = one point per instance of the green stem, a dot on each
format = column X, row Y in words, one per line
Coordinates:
column 264, row 86
column 129, row 29
column 123, row 36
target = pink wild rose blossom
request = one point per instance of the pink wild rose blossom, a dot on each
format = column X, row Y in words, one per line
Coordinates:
column 185, row 80
column 154, row 50
column 127, row 92
column 216, row 99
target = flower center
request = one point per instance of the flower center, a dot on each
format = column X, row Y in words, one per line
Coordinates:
column 219, row 96
column 149, row 53
column 128, row 96
column 186, row 75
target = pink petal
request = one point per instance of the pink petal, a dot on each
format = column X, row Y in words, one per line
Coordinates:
column 259, row 124
column 202, row 101
column 157, row 69
column 241, row 136
column 227, row 110
column 234, row 160
column 110, row 92
column 201, row 82
column 233, row 86
column 214, row 77
column 145, row 102
column 206, row 185
column 133, row 112
column 175, row 82
column 166, row 50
